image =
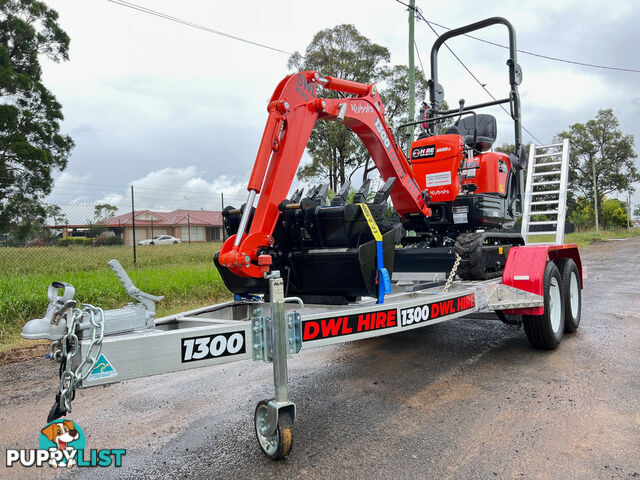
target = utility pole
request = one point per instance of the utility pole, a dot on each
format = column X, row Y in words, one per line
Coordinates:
column 412, row 72
column 629, row 210
column 224, row 235
column 133, row 223
column 595, row 198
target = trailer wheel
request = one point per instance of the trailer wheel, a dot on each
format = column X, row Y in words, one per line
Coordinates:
column 278, row 445
column 545, row 331
column 572, row 293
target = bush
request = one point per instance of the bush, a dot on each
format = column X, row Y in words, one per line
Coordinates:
column 615, row 213
column 69, row 241
column 106, row 240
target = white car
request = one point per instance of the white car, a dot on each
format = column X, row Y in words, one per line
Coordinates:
column 160, row 240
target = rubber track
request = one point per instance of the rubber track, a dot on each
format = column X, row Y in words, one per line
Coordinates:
column 469, row 247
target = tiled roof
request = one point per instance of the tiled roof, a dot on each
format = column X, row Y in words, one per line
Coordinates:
column 174, row 218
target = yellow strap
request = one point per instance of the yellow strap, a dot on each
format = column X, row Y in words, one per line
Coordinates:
column 372, row 223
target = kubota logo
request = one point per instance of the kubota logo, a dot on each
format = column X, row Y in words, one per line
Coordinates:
column 443, row 191
column 358, row 108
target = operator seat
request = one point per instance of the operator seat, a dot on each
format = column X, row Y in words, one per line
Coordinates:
column 487, row 131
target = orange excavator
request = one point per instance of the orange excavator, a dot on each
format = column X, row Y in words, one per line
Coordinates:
column 453, row 196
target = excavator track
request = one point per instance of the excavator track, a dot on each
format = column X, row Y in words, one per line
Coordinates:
column 484, row 254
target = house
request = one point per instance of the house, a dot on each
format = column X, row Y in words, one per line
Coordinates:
column 187, row 225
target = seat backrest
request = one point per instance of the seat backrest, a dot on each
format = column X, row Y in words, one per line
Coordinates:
column 487, row 131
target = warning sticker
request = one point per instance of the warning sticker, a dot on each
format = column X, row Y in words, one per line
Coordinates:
column 103, row 369
column 438, row 179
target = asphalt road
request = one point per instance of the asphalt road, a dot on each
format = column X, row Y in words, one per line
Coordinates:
column 462, row 399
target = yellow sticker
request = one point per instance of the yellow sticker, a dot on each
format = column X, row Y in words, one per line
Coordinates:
column 501, row 188
column 372, row 223
column 500, row 250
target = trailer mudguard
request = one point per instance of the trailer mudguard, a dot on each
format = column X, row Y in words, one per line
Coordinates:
column 525, row 269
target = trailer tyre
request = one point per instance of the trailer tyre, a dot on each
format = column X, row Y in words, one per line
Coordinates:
column 545, row 331
column 572, row 293
column 278, row 445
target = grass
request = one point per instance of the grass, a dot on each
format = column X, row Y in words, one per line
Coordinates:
column 587, row 237
column 184, row 274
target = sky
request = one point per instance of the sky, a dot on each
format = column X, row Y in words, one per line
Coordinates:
column 179, row 112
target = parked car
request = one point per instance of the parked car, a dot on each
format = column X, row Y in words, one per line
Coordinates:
column 159, row 240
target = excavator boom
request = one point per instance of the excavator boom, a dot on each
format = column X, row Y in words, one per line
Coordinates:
column 293, row 110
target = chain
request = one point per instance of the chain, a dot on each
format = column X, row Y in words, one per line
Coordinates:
column 452, row 275
column 66, row 349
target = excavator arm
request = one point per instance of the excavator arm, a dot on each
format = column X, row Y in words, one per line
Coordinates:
column 293, row 110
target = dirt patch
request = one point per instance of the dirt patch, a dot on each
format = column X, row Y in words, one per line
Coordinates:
column 24, row 353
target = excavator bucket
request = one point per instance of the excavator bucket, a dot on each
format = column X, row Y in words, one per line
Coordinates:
column 325, row 253
column 330, row 275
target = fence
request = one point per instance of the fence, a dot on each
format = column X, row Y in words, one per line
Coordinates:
column 134, row 230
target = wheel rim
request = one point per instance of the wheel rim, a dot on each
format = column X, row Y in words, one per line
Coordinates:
column 574, row 295
column 268, row 443
column 555, row 304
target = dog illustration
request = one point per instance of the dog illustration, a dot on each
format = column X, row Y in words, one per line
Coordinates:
column 61, row 434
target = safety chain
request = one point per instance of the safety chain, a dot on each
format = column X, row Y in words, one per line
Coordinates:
column 65, row 349
column 452, row 275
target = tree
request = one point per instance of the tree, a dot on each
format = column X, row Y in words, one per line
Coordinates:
column 636, row 211
column 506, row 148
column 27, row 219
column 31, row 145
column 57, row 216
column 343, row 52
column 104, row 211
column 600, row 142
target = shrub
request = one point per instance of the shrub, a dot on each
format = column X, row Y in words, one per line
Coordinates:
column 69, row 241
column 105, row 240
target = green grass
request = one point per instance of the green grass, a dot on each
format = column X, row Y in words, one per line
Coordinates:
column 587, row 237
column 184, row 274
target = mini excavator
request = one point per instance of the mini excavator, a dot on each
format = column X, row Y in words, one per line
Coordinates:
column 453, row 196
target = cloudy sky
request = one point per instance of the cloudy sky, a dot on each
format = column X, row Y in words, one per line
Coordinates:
column 179, row 112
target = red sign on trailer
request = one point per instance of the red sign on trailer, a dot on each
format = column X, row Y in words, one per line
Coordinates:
column 339, row 326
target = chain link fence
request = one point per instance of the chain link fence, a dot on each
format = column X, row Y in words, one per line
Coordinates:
column 165, row 240
column 135, row 231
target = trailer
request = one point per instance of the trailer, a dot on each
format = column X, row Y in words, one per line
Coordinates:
column 540, row 288
column 306, row 273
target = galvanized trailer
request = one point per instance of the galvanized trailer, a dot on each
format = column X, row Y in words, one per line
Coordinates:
column 540, row 288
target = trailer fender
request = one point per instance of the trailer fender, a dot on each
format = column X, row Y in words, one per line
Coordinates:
column 525, row 269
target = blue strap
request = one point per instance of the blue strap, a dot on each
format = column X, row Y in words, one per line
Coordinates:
column 384, row 282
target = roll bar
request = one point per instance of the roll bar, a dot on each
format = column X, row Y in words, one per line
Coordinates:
column 436, row 94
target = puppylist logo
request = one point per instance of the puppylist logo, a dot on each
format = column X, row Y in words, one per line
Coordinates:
column 62, row 444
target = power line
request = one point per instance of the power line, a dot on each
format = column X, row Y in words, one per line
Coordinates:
column 482, row 85
column 547, row 57
column 526, row 52
column 146, row 10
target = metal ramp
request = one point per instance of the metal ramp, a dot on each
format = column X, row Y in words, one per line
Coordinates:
column 545, row 200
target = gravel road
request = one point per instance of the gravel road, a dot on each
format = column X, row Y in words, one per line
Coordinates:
column 462, row 399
